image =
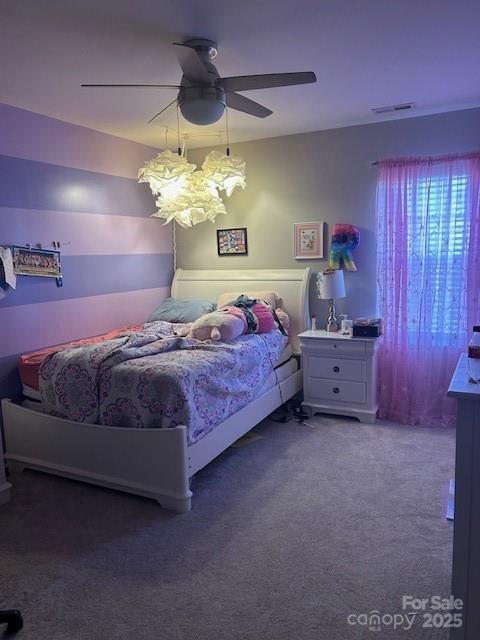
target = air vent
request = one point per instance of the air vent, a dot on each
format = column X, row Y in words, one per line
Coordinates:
column 394, row 107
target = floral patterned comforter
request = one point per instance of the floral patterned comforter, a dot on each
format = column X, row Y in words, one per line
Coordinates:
column 155, row 379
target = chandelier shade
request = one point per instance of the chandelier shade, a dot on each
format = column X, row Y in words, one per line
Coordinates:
column 227, row 172
column 194, row 199
column 163, row 169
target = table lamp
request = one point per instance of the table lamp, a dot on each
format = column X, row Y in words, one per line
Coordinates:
column 331, row 287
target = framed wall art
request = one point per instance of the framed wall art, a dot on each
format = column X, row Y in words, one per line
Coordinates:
column 28, row 261
column 232, row 242
column 308, row 240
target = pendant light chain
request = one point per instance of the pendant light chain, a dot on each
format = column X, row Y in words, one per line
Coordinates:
column 174, row 235
column 174, row 246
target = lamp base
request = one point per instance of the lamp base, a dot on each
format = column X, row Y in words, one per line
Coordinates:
column 332, row 323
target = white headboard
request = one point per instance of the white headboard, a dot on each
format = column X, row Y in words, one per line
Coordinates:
column 290, row 284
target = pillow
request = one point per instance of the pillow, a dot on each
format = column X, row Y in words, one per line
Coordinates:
column 182, row 310
column 270, row 297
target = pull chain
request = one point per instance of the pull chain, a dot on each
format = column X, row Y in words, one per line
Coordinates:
column 226, row 125
column 178, row 130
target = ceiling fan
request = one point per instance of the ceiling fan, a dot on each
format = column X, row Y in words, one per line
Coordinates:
column 203, row 94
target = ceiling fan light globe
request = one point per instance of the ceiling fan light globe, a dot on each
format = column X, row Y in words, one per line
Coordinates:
column 201, row 111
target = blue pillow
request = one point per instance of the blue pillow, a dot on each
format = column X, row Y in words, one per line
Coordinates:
column 182, row 310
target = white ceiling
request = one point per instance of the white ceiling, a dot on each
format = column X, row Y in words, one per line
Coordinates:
column 366, row 53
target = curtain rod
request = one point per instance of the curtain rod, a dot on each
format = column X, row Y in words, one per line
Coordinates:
column 426, row 159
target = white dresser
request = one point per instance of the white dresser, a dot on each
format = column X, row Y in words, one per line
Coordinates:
column 339, row 374
column 466, row 526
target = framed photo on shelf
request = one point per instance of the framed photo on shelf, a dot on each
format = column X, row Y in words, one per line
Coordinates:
column 29, row 261
column 232, row 242
column 308, row 240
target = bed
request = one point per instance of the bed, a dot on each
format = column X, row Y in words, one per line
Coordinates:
column 159, row 463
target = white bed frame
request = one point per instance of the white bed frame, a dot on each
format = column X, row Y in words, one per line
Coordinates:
column 156, row 463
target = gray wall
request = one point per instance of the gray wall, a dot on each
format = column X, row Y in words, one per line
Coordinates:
column 325, row 175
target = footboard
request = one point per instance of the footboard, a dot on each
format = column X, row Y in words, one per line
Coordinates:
column 147, row 462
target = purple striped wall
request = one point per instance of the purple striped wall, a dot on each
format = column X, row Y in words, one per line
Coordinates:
column 59, row 181
column 93, row 233
column 31, row 136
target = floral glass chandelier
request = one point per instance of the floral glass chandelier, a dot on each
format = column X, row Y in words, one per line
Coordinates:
column 189, row 195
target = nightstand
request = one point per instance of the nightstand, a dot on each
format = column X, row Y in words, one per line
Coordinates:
column 339, row 374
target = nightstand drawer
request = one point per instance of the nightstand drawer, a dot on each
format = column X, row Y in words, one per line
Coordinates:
column 336, row 368
column 335, row 390
column 342, row 347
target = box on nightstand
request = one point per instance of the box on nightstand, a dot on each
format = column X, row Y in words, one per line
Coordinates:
column 367, row 328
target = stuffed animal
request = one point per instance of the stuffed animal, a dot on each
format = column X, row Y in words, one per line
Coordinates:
column 251, row 316
column 219, row 325
column 283, row 320
column 345, row 238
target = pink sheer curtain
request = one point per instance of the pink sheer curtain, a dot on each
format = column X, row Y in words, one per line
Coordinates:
column 428, row 276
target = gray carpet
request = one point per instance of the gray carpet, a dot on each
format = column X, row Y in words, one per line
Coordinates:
column 287, row 537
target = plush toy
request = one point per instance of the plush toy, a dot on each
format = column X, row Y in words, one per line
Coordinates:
column 345, row 238
column 250, row 316
column 219, row 325
column 283, row 320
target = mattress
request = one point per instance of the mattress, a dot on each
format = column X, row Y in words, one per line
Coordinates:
column 31, row 393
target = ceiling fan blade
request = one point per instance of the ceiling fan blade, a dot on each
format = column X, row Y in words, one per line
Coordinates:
column 241, row 103
column 266, row 81
column 160, row 112
column 192, row 65
column 121, row 86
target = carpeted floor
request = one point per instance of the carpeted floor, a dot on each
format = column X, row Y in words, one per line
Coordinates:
column 288, row 536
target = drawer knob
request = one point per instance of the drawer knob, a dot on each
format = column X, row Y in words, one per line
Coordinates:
column 336, row 369
column 336, row 390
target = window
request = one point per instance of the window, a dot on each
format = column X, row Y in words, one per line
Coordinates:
column 428, row 279
column 438, row 233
